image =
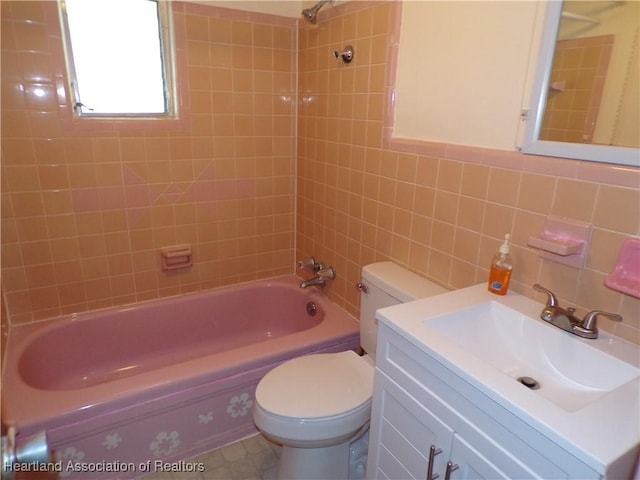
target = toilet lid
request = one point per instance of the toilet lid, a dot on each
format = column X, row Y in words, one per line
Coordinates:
column 319, row 385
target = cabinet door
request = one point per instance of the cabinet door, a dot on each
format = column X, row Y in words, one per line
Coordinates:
column 402, row 432
column 472, row 465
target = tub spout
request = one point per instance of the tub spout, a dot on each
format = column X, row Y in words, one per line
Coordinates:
column 313, row 282
column 320, row 279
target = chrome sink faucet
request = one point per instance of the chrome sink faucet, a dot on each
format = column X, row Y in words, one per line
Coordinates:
column 566, row 320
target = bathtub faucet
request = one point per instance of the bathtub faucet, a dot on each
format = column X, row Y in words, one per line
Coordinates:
column 321, row 278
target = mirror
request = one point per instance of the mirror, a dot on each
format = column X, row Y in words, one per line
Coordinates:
column 585, row 102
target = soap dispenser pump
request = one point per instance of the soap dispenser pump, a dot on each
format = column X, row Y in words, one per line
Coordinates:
column 501, row 267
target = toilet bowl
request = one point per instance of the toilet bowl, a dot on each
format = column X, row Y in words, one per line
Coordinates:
column 315, row 400
column 317, row 405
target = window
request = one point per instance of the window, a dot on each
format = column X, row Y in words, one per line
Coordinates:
column 119, row 57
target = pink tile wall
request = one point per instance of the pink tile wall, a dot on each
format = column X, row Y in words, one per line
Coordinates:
column 86, row 205
column 438, row 209
column 85, row 210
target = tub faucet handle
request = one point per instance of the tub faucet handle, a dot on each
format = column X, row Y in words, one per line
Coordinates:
column 326, row 274
column 308, row 263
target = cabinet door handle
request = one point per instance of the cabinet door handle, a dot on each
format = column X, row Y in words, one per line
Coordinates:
column 433, row 451
column 451, row 467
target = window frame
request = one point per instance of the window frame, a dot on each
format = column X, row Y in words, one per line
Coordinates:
column 167, row 58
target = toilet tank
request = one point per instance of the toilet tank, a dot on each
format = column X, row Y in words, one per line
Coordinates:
column 388, row 284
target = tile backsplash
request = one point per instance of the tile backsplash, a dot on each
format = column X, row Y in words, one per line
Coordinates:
column 281, row 152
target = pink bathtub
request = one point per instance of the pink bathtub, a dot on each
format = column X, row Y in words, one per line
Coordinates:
column 137, row 388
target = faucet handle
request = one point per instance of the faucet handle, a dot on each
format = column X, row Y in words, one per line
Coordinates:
column 308, row 263
column 326, row 274
column 552, row 300
column 590, row 319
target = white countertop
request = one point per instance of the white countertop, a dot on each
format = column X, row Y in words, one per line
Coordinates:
column 597, row 433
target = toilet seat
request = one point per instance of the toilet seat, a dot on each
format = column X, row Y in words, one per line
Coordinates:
column 317, row 387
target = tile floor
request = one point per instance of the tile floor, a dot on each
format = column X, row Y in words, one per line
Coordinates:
column 253, row 458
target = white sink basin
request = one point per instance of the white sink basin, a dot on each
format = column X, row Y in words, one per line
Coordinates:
column 556, row 365
column 589, row 397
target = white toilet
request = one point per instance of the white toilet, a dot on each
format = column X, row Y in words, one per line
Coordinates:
column 317, row 405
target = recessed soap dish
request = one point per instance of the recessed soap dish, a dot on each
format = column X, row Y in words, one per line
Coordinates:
column 625, row 277
column 557, row 245
column 177, row 256
column 562, row 240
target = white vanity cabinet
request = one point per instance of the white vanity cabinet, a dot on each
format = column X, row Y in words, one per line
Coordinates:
column 408, row 432
column 418, row 404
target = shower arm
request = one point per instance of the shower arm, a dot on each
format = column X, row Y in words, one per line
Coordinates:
column 311, row 13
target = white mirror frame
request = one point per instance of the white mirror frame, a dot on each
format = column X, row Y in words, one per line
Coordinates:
column 531, row 140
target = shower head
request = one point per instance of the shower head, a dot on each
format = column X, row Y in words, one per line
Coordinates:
column 311, row 13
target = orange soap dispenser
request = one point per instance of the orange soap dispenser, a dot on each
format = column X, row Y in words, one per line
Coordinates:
column 501, row 267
